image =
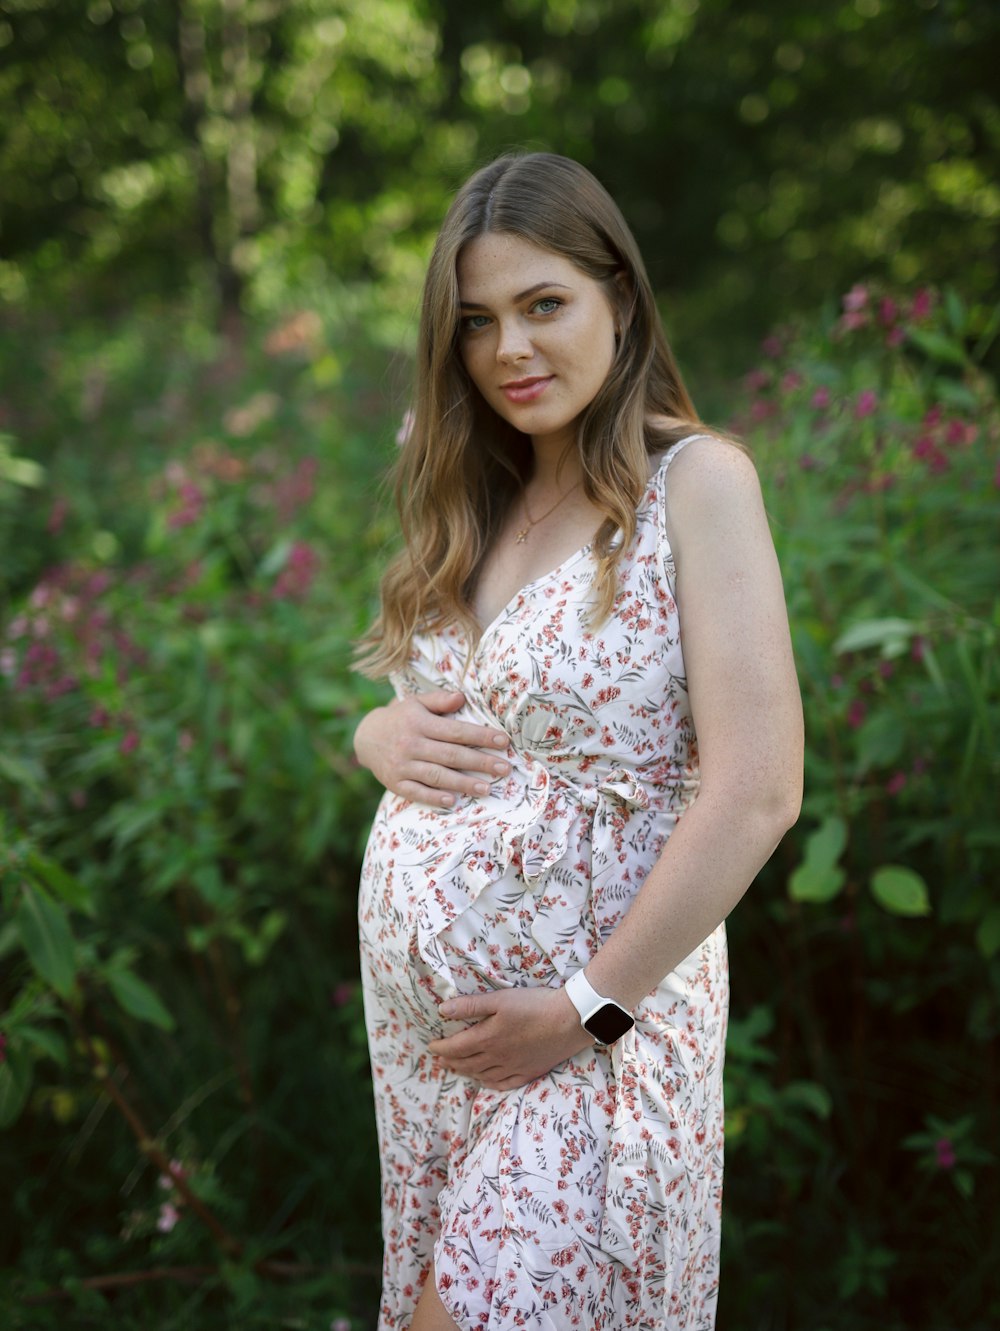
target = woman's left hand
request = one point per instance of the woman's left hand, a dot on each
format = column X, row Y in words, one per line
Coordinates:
column 514, row 1035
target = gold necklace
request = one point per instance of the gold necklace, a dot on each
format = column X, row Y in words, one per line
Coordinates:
column 522, row 535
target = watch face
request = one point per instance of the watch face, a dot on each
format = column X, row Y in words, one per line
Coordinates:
column 609, row 1023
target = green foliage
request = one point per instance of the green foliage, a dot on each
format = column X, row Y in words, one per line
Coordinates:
column 871, row 951
column 183, row 1074
column 180, row 831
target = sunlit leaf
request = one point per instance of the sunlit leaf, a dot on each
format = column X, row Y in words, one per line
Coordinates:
column 900, row 890
column 876, row 633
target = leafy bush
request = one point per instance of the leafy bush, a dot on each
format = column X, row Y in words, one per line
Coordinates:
column 184, row 1063
column 184, row 1081
column 863, row 1084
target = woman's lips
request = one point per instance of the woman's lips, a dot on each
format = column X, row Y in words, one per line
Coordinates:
column 526, row 390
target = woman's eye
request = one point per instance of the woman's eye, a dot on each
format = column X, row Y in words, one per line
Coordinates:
column 472, row 323
column 547, row 305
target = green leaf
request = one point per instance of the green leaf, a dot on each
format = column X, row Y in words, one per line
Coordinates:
column 72, row 891
column 988, row 933
column 46, row 937
column 811, row 1096
column 15, row 1083
column 886, row 633
column 825, row 846
column 900, row 890
column 137, row 999
column 816, row 882
column 49, row 1042
column 938, row 346
column 22, row 772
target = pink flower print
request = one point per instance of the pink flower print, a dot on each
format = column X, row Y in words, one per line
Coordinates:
column 866, row 404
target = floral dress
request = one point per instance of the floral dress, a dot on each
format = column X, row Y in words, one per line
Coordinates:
column 589, row 1198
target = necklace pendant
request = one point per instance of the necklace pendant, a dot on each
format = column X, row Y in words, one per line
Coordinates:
column 522, row 535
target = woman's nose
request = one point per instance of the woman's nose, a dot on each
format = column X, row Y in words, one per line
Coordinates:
column 514, row 343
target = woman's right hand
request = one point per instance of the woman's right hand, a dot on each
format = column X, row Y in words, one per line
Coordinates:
column 417, row 749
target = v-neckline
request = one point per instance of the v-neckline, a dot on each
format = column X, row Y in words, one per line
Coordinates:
column 510, row 605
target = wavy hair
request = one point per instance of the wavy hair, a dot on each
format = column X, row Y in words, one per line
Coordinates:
column 462, row 466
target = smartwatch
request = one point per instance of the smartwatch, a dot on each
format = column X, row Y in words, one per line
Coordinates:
column 602, row 1018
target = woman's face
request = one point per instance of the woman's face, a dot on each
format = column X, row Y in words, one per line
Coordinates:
column 537, row 334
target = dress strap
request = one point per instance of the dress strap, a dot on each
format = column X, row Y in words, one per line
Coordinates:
column 681, row 443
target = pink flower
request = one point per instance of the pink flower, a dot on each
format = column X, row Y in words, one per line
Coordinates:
column 866, row 404
column 886, row 669
column 895, row 783
column 757, row 380
column 852, row 320
column 295, row 579
column 340, row 1324
column 791, row 381
column 923, row 303
column 944, row 1153
column 820, row 400
column 761, row 410
column 772, row 346
column 130, row 741
column 855, row 299
column 895, row 336
column 856, row 713
column 168, row 1217
column 57, row 516
column 807, row 462
column 917, row 648
column 888, row 311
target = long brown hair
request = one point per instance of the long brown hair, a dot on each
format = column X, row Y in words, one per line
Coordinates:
column 462, row 466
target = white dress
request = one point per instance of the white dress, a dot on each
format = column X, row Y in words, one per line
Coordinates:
column 589, row 1198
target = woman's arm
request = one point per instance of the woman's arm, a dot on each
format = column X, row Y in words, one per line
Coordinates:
column 748, row 718
column 417, row 749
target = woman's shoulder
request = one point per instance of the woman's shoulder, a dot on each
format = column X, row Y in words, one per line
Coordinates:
column 700, row 446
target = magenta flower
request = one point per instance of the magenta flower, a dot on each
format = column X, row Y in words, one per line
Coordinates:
column 866, row 404
column 772, row 346
column 888, row 311
column 895, row 783
column 856, row 713
column 852, row 320
column 757, row 380
column 856, row 299
column 296, row 578
column 791, row 381
column 944, row 1153
column 886, row 669
column 923, row 303
column 895, row 336
column 130, row 741
column 820, row 400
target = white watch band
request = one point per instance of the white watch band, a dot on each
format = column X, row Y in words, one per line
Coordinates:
column 584, row 997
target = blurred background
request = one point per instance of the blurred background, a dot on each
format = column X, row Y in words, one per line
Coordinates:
column 214, row 219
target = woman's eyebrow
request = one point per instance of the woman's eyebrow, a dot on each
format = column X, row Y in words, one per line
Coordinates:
column 521, row 295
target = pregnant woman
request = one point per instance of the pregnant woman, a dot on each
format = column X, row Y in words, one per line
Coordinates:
column 595, row 745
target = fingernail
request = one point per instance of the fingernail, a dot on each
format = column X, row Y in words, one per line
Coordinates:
column 446, row 1009
column 447, row 800
column 482, row 788
column 500, row 741
column 500, row 769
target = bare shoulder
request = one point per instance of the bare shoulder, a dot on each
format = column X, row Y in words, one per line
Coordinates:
column 712, row 490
